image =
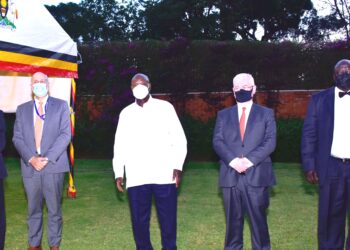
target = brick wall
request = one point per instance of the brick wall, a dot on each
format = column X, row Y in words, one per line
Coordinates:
column 204, row 106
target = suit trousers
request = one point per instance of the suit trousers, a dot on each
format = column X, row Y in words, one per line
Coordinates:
column 245, row 199
column 140, row 199
column 2, row 215
column 334, row 203
column 44, row 186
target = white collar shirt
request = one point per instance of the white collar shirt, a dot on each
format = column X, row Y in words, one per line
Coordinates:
column 341, row 132
column 36, row 104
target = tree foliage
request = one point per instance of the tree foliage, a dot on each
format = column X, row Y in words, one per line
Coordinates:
column 107, row 20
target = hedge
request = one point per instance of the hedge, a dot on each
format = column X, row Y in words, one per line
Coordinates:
column 96, row 139
column 183, row 65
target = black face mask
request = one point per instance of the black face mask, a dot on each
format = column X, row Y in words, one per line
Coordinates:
column 342, row 81
column 243, row 95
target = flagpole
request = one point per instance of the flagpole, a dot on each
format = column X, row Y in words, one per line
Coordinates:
column 71, row 191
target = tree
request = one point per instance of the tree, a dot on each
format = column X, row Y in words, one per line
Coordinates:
column 72, row 18
column 340, row 12
column 223, row 19
column 94, row 20
column 277, row 18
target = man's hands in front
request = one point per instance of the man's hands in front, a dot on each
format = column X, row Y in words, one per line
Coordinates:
column 311, row 176
column 38, row 162
column 240, row 164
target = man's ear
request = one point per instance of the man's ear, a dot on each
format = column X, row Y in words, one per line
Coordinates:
column 254, row 90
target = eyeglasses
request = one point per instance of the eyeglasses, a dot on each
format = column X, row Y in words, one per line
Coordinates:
column 247, row 88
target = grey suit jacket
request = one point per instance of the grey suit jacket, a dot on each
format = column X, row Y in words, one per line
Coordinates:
column 259, row 142
column 55, row 139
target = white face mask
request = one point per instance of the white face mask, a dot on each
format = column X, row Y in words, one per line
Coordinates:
column 140, row 92
column 40, row 89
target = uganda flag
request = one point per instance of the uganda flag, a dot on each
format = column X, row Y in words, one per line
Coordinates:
column 31, row 40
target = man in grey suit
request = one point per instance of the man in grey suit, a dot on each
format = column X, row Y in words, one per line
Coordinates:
column 244, row 138
column 41, row 136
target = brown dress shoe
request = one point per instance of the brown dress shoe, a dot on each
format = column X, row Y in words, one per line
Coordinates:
column 54, row 248
column 34, row 248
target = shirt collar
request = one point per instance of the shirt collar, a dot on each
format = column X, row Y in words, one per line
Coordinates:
column 43, row 100
column 150, row 100
column 246, row 105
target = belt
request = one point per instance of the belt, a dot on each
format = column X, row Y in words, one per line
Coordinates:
column 343, row 160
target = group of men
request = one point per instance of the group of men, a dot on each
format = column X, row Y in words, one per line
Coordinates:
column 150, row 149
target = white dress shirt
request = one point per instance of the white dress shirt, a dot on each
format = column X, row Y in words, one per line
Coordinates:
column 248, row 106
column 44, row 101
column 150, row 143
column 341, row 132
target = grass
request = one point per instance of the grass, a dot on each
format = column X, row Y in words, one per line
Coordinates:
column 99, row 218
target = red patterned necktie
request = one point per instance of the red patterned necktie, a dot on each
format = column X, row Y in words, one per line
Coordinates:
column 242, row 123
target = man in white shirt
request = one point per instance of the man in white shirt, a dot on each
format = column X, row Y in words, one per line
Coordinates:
column 325, row 155
column 244, row 138
column 151, row 145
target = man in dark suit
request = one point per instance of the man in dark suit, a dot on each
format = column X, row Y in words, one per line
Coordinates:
column 244, row 138
column 41, row 136
column 326, row 156
column 3, row 174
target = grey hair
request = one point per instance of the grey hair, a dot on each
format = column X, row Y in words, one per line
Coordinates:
column 140, row 75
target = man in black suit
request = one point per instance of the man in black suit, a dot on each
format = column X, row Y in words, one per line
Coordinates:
column 3, row 174
column 326, row 156
column 244, row 138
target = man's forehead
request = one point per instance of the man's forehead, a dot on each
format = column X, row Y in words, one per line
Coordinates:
column 39, row 76
column 139, row 80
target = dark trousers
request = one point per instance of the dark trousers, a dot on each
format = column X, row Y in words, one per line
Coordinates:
column 2, row 215
column 253, row 201
column 334, row 203
column 140, row 199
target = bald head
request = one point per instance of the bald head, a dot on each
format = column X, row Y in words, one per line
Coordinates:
column 39, row 77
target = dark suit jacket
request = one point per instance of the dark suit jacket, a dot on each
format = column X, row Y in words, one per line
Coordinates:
column 3, row 172
column 317, row 136
column 259, row 142
column 55, row 139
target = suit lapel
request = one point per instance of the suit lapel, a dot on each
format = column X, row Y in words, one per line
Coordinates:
column 329, row 108
column 250, row 122
column 234, row 119
column 49, row 113
column 29, row 115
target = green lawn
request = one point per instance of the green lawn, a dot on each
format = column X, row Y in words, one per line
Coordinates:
column 99, row 218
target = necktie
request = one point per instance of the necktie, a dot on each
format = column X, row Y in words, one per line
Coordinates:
column 242, row 123
column 341, row 94
column 38, row 126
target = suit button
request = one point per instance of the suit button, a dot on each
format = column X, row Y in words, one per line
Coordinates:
column 242, row 145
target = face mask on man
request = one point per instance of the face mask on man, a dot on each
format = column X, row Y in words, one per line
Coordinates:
column 243, row 95
column 40, row 89
column 140, row 92
column 342, row 81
